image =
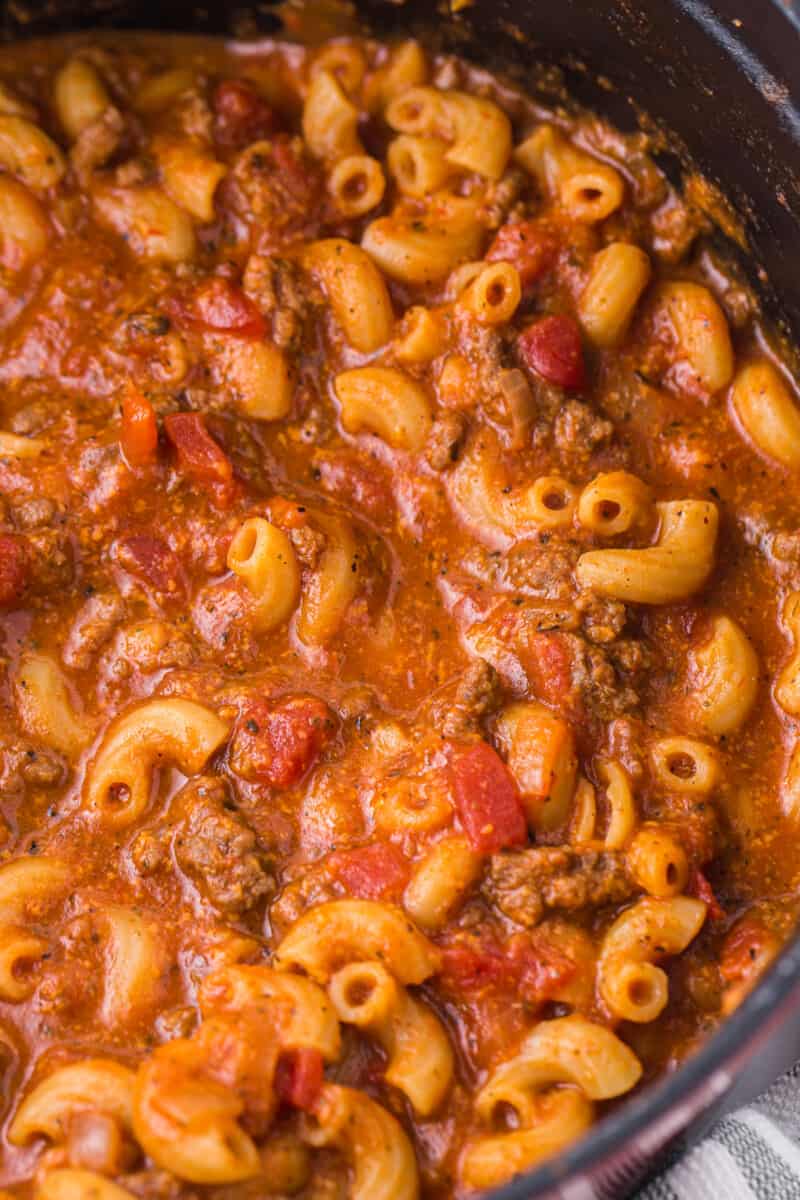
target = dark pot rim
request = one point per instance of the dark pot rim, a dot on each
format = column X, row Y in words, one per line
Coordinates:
column 644, row 1126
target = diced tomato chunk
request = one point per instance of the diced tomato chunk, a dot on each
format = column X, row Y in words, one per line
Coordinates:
column 219, row 306
column 532, row 249
column 298, row 174
column 241, row 115
column 472, row 970
column 548, row 664
column 699, row 887
column 277, row 742
column 13, row 569
column 552, row 348
column 528, row 965
column 299, row 1077
column 377, row 872
column 364, row 484
column 153, row 561
column 139, row 437
column 486, row 798
column 199, row 456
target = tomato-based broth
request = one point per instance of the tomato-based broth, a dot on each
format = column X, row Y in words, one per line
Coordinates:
column 399, row 585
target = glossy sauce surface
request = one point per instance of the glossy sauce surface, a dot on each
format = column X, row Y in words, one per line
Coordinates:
column 134, row 371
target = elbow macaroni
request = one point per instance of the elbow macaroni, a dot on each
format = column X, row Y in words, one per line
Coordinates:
column 724, row 678
column 80, row 96
column 700, row 332
column 383, row 1163
column 440, row 882
column 330, row 121
column 46, row 708
column 768, row 413
column 614, row 503
column 588, row 189
column 355, row 290
column 590, row 1059
column 630, row 984
column 420, row 1060
column 618, row 276
column 118, row 780
column 264, row 559
column 327, row 593
column 674, row 568
column 93, row 1084
column 387, row 402
column 343, row 931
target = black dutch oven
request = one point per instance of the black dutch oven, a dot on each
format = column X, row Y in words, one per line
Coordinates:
column 723, row 77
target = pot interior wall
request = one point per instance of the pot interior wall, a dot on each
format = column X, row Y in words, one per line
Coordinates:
column 721, row 75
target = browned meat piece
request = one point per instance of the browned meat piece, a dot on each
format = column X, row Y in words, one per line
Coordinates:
column 93, row 625
column 524, row 884
column 479, row 692
column 603, row 618
column 97, row 143
column 215, row 848
column 53, row 566
column 604, row 689
column 445, row 440
column 308, row 544
column 503, row 195
column 33, row 418
column 785, row 549
column 24, row 764
column 148, row 852
column 192, row 115
column 276, row 286
column 33, row 514
column 541, row 567
column 578, row 429
column 279, row 186
column 152, row 1184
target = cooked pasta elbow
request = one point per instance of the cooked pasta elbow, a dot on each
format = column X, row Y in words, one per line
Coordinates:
column 80, row 96
column 191, row 175
column 724, row 677
column 27, row 151
column 342, row 931
column 330, row 120
column 329, row 590
column 481, row 134
column 72, row 1183
column 264, row 559
column 355, row 290
column 387, row 402
column 380, row 1155
column 46, row 708
column 93, row 1084
column 674, row 568
column 768, row 413
column 630, row 984
column 702, row 340
column 420, row 1059
column 153, row 225
column 589, row 190
column 590, row 1059
column 618, row 276
column 118, row 780
column 24, row 227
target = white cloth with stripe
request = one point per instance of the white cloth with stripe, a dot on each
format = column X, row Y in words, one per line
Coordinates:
column 753, row 1154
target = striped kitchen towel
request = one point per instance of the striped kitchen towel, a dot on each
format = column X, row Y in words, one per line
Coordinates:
column 753, row 1154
